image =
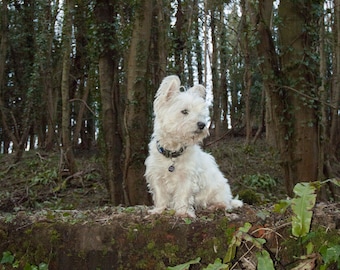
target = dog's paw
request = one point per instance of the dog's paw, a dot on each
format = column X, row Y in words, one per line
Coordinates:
column 185, row 214
column 216, row 206
column 156, row 211
column 235, row 203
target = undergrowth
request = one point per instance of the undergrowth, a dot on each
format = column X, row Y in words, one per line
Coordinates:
column 318, row 252
column 9, row 261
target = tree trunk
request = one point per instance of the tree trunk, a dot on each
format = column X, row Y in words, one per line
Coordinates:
column 110, row 99
column 111, row 128
column 219, row 69
column 299, row 67
column 247, row 79
column 3, row 56
column 68, row 165
column 136, row 113
column 81, row 112
column 163, row 21
column 179, row 42
column 52, row 95
column 275, row 95
column 215, row 73
column 198, row 45
column 335, row 95
column 223, row 70
column 293, row 119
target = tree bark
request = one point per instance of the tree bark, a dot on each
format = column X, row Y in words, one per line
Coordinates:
column 215, row 73
column 163, row 21
column 3, row 56
column 335, row 94
column 136, row 113
column 180, row 41
column 69, row 165
column 247, row 78
column 110, row 99
column 293, row 119
column 50, row 94
column 300, row 70
column 197, row 44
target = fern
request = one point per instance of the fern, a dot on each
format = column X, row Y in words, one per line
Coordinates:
column 302, row 206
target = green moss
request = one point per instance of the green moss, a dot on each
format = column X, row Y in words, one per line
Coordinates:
column 151, row 245
column 82, row 254
column 54, row 236
column 28, row 231
column 113, row 241
column 249, row 196
column 105, row 251
column 170, row 251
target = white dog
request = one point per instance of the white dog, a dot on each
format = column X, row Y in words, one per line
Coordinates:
column 179, row 174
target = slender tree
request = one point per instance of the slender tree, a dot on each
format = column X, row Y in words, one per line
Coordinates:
column 68, row 165
column 335, row 93
column 48, row 66
column 247, row 79
column 136, row 107
column 108, row 60
column 3, row 57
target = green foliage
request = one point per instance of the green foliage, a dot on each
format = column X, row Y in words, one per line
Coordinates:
column 44, row 177
column 242, row 235
column 8, row 259
column 261, row 181
column 41, row 266
column 302, row 206
column 330, row 255
column 217, row 265
column 316, row 244
column 185, row 266
column 264, row 261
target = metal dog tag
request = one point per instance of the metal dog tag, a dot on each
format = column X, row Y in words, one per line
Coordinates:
column 171, row 168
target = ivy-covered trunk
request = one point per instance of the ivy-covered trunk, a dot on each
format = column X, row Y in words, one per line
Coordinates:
column 110, row 99
column 298, row 32
column 69, row 165
column 291, row 87
column 136, row 108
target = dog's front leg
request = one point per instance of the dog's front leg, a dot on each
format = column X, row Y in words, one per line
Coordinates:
column 183, row 202
column 160, row 199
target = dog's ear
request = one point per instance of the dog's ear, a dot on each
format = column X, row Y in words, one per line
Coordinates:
column 198, row 89
column 169, row 87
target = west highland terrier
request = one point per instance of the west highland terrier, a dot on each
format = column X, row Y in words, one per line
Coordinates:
column 179, row 174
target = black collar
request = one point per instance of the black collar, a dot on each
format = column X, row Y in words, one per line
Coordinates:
column 169, row 154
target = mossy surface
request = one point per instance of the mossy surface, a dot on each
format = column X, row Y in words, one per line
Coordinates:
column 117, row 239
column 123, row 242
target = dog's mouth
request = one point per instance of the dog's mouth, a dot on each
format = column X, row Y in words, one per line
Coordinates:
column 201, row 131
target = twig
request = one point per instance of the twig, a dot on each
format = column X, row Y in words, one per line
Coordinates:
column 87, row 106
column 40, row 156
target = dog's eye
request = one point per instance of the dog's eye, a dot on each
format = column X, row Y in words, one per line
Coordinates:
column 185, row 112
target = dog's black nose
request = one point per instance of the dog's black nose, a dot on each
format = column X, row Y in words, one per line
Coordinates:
column 201, row 125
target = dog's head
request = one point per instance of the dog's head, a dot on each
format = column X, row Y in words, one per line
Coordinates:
column 182, row 116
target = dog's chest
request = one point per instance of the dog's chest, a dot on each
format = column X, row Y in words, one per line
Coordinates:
column 183, row 176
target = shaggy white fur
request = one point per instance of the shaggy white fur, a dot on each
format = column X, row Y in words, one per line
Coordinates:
column 179, row 174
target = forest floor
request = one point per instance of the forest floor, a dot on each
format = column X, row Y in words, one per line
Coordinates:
column 32, row 193
column 34, row 183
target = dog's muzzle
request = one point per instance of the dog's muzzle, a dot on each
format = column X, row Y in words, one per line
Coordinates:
column 201, row 125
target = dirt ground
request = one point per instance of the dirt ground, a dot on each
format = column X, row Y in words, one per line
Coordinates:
column 33, row 183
